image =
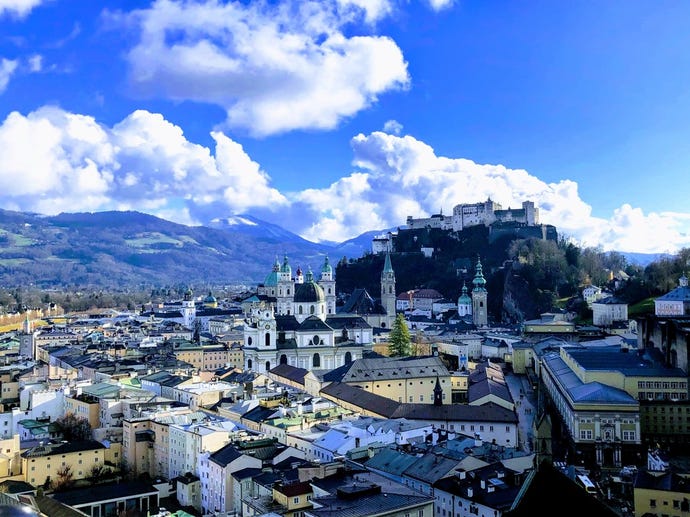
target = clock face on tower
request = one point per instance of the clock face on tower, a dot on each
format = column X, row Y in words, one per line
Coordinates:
column 268, row 327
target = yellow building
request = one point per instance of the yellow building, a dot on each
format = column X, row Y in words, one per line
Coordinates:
column 662, row 493
column 84, row 406
column 408, row 379
column 293, row 498
column 10, row 460
column 9, row 391
column 459, row 382
column 550, row 324
column 45, row 463
column 208, row 358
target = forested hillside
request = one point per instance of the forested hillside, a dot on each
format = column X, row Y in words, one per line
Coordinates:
column 525, row 277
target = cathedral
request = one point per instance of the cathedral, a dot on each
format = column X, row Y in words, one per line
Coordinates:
column 296, row 322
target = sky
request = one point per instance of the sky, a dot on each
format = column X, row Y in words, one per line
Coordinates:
column 332, row 118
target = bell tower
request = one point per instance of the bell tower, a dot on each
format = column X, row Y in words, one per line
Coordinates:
column 388, row 295
column 479, row 298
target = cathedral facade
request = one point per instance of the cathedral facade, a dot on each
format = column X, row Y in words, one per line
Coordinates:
column 296, row 323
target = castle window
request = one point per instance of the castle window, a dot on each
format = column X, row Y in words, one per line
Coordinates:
column 311, row 310
column 315, row 340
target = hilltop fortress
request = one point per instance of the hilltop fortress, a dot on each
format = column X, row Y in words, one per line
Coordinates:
column 486, row 213
column 522, row 222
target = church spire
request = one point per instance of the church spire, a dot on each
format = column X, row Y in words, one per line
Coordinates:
column 438, row 393
column 479, row 281
column 387, row 266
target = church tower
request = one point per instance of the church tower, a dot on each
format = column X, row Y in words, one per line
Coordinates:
column 286, row 288
column 388, row 295
column 188, row 310
column 479, row 310
column 26, row 339
column 327, row 283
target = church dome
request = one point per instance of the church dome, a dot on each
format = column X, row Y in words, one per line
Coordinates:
column 309, row 292
column 464, row 299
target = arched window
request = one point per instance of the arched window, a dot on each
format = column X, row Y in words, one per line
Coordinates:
column 249, row 340
column 283, row 359
column 267, row 339
column 249, row 364
column 345, row 335
column 300, row 309
column 268, row 365
column 311, row 309
column 348, row 358
column 316, row 361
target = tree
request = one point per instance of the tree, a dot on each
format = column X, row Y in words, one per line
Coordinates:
column 74, row 428
column 65, row 478
column 399, row 339
column 97, row 473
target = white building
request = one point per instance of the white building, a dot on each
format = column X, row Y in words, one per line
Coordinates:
column 215, row 471
column 188, row 441
column 591, row 294
column 675, row 302
column 608, row 310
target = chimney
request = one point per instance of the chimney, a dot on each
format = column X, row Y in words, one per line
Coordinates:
column 477, row 440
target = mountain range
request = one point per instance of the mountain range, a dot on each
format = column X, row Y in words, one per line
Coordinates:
column 127, row 249
column 132, row 249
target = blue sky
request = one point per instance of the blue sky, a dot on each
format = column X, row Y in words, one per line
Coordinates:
column 336, row 117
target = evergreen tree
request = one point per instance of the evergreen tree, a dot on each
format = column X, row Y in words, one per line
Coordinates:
column 399, row 339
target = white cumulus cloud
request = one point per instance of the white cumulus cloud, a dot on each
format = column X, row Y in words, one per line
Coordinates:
column 273, row 66
column 402, row 176
column 57, row 161
column 19, row 8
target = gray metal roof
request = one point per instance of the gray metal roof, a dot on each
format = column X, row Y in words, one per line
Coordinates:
column 593, row 392
column 385, row 368
column 366, row 506
column 628, row 363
